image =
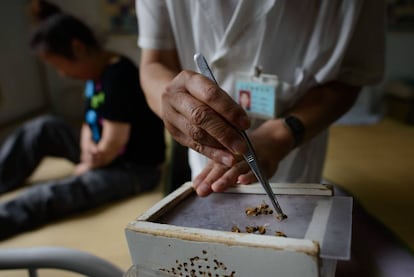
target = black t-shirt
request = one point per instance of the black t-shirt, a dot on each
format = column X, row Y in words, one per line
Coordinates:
column 118, row 97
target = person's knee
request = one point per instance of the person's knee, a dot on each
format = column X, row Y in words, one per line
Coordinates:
column 44, row 121
column 43, row 127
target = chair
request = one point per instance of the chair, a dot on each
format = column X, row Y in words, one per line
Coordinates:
column 63, row 258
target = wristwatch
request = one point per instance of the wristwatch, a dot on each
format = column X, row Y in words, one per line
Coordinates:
column 296, row 127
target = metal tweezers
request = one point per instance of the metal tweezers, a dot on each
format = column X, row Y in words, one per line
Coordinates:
column 250, row 156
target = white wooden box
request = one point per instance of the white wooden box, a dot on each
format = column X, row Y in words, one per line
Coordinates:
column 185, row 235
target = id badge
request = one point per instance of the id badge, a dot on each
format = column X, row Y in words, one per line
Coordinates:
column 257, row 94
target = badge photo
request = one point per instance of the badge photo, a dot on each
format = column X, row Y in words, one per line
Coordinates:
column 257, row 94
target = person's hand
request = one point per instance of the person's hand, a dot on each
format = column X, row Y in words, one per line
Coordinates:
column 217, row 177
column 199, row 115
column 272, row 142
column 81, row 168
column 90, row 154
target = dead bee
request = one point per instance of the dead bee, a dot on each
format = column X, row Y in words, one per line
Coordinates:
column 261, row 229
column 235, row 229
column 280, row 217
column 264, row 205
column 256, row 229
column 280, row 234
column 261, row 209
column 251, row 211
column 251, row 229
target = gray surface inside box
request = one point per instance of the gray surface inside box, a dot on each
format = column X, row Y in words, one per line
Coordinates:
column 222, row 211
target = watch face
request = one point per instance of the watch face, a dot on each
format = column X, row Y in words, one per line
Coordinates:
column 295, row 123
column 297, row 128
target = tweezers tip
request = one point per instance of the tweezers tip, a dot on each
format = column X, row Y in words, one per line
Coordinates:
column 281, row 217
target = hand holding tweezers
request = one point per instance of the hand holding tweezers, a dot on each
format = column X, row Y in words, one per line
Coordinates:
column 250, row 155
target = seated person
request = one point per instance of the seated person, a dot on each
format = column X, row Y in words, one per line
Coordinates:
column 121, row 146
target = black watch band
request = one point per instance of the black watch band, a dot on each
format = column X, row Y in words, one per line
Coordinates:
column 296, row 127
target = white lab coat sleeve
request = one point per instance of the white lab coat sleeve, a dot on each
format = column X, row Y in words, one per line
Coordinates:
column 363, row 62
column 154, row 27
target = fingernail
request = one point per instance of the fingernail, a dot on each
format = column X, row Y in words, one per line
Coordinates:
column 219, row 186
column 203, row 190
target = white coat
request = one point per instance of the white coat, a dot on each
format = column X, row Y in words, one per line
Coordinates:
column 304, row 43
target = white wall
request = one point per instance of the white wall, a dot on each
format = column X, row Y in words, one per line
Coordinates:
column 21, row 86
column 399, row 63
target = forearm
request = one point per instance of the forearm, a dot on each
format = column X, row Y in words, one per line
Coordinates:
column 317, row 110
column 323, row 105
column 86, row 144
column 114, row 139
column 85, row 136
column 157, row 69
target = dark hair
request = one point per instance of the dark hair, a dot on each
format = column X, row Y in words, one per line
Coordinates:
column 55, row 35
column 42, row 9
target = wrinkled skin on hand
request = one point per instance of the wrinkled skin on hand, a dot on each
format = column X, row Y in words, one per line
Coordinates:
column 270, row 150
column 201, row 116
